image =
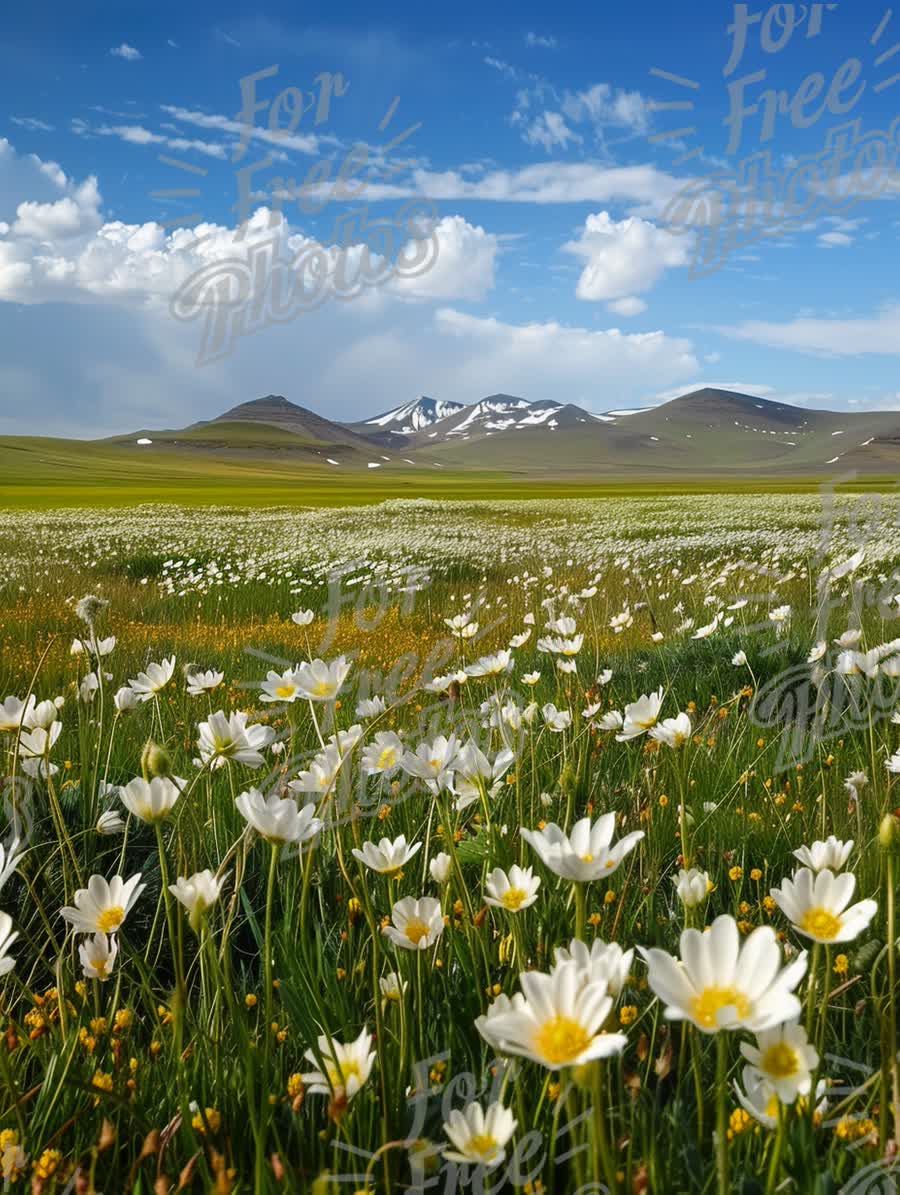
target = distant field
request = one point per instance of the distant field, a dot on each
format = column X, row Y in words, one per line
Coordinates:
column 43, row 473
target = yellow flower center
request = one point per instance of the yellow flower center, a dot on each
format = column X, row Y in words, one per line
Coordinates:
column 100, row 965
column 588, row 858
column 416, row 930
column 560, row 1040
column 110, row 919
column 512, row 899
column 340, row 1073
column 323, row 689
column 482, row 1145
column 821, row 924
column 388, row 758
column 285, row 690
column 712, row 1000
column 435, row 764
column 780, row 1061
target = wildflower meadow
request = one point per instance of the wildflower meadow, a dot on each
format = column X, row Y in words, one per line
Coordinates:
column 541, row 846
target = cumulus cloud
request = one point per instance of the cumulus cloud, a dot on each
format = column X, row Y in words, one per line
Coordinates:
column 129, row 53
column 62, row 248
column 623, row 258
column 100, row 289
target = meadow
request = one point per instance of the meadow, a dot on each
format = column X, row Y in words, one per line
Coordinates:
column 491, row 845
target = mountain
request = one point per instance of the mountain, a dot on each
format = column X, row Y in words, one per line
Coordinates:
column 413, row 416
column 276, row 411
column 711, row 435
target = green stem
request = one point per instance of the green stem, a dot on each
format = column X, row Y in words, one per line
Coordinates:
column 722, row 1112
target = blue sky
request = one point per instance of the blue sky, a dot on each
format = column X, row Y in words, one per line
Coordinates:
column 562, row 262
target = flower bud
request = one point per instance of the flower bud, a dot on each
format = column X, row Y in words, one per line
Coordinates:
column 889, row 832
column 155, row 760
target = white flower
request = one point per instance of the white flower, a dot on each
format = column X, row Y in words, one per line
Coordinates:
column 386, row 857
column 494, row 665
column 893, row 764
column 417, row 924
column 278, row 819
column 229, row 738
column 739, row 659
column 101, row 907
column 433, row 762
column 281, row 686
column 785, row 1059
column 780, row 616
column 621, row 622
column 303, row 617
column 7, row 937
column 586, row 854
column 110, row 822
column 674, row 732
column 640, row 715
column 147, row 684
column 556, row 720
column 319, row 681
column 605, row 676
column 382, row 756
column 12, row 713
column 611, row 721
column 343, row 1070
column 439, row 868
column 479, row 1138
column 817, row 906
column 520, row 640
column 320, row 776
column 692, row 887
column 832, row 853
column 97, row 647
column 42, row 715
column 603, row 962
column 817, row 651
column 393, row 988
column 150, row 800
column 720, row 984
column 125, row 699
column 371, row 707
column 475, row 771
column 512, row 892
column 34, row 750
column 9, row 860
column 198, row 893
column 199, row 683
column 98, row 956
column 855, row 781
column 557, row 1021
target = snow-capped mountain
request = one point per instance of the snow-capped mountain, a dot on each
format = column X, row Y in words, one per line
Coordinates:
column 503, row 413
column 414, row 416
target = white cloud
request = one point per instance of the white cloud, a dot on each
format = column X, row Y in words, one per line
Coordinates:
column 850, row 337
column 834, row 240
column 541, row 183
column 550, row 130
column 541, row 41
column 137, row 135
column 305, row 143
column 623, row 258
column 32, row 124
column 605, row 106
column 63, row 250
column 99, row 290
column 463, row 268
column 129, row 53
column 627, row 307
